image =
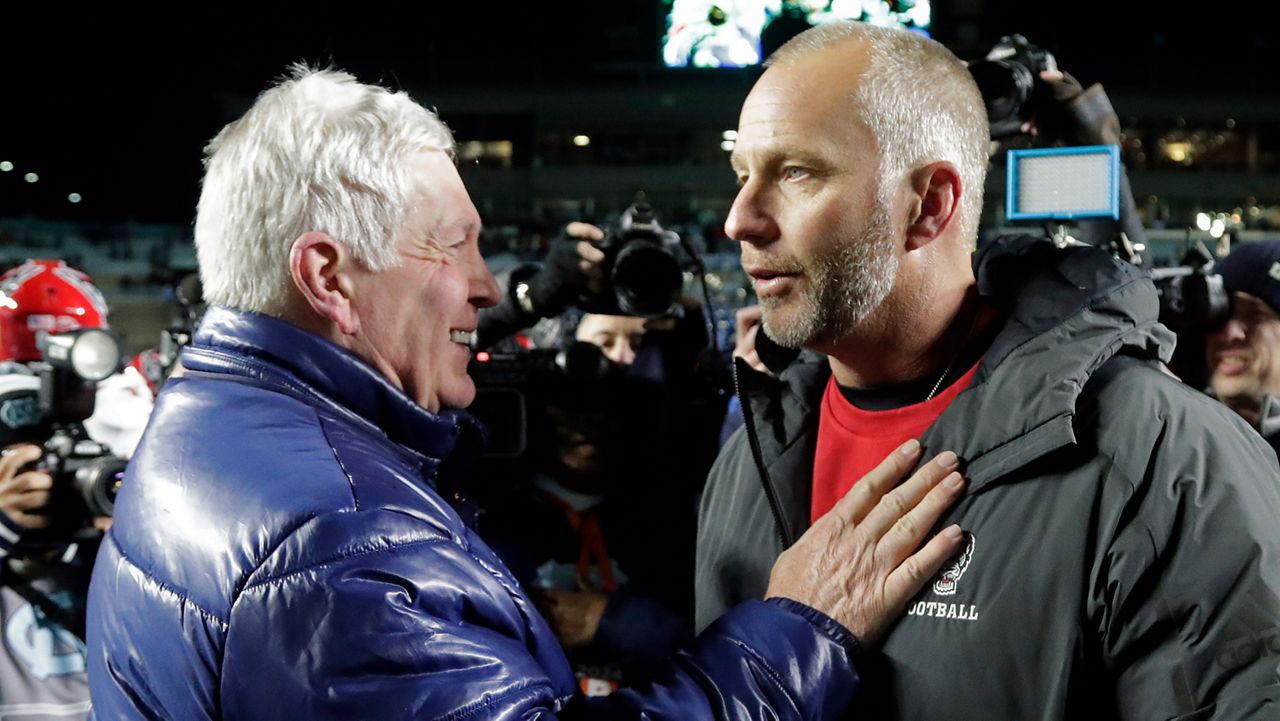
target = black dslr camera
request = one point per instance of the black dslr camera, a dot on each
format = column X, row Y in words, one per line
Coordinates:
column 86, row 475
column 643, row 276
column 1008, row 78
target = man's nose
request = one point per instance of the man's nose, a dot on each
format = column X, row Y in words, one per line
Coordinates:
column 750, row 221
column 484, row 289
column 1233, row 331
column 621, row 353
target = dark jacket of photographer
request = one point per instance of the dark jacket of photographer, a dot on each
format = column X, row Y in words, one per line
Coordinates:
column 280, row 550
column 1124, row 559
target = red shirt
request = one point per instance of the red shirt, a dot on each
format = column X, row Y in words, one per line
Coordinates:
column 852, row 441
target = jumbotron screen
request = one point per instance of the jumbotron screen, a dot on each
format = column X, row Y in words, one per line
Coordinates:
column 738, row 33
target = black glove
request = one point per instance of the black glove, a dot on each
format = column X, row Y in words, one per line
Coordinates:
column 1079, row 116
column 560, row 283
column 534, row 293
column 1067, row 111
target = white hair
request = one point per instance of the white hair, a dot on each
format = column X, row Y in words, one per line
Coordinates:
column 920, row 103
column 318, row 151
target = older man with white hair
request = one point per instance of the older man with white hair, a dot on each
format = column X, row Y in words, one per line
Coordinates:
column 282, row 548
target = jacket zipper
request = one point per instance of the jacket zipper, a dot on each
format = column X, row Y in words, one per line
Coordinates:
column 770, row 494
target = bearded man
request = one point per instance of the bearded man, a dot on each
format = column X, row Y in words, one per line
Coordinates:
column 1121, row 558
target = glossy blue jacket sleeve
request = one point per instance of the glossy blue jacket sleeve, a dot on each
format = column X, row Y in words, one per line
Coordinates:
column 372, row 636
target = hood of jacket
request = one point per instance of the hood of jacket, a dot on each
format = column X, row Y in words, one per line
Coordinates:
column 1065, row 312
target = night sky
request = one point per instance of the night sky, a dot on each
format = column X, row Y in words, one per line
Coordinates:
column 118, row 106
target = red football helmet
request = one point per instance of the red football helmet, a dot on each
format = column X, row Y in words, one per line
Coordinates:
column 42, row 297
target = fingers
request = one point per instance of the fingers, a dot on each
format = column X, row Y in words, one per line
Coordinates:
column 590, row 259
column 29, row 482
column 29, row 520
column 745, row 348
column 15, row 457
column 588, row 252
column 22, row 493
column 867, row 492
column 746, row 317
column 896, row 504
column 746, row 342
column 909, row 531
column 30, row 501
column 907, row 580
column 27, row 494
column 584, row 230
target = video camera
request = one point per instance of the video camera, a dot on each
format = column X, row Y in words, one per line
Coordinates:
column 1192, row 297
column 50, row 411
column 512, row 388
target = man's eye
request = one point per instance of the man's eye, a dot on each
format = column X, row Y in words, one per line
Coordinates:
column 794, row 173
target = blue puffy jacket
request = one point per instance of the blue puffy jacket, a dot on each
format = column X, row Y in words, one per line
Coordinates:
column 280, row 551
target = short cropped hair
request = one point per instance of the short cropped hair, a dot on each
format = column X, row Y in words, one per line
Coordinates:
column 919, row 101
column 318, row 151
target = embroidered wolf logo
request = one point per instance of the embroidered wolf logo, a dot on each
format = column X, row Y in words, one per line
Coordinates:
column 950, row 576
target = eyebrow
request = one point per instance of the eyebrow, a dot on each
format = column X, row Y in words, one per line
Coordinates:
column 775, row 156
column 468, row 228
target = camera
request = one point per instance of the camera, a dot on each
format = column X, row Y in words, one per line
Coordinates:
column 48, row 405
column 1192, row 297
column 86, row 476
column 513, row 387
column 1008, row 78
column 643, row 276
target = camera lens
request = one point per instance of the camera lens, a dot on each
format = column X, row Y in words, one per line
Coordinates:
column 1005, row 87
column 647, row 279
column 98, row 482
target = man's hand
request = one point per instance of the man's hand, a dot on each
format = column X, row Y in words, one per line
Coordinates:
column 590, row 258
column 746, row 322
column 574, row 616
column 859, row 564
column 21, row 494
column 573, row 270
column 1070, row 112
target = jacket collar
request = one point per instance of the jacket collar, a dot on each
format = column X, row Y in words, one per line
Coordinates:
column 278, row 355
column 1066, row 312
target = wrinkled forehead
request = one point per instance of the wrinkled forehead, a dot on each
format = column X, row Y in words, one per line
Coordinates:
column 811, row 100
column 439, row 204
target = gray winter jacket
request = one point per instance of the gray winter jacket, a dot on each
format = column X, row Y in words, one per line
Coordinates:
column 1124, row 552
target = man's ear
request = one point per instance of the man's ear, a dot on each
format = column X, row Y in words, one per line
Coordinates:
column 935, row 198
column 321, row 270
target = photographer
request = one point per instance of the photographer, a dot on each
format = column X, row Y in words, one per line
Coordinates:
column 572, row 271
column 1243, row 355
column 601, row 523
column 48, row 535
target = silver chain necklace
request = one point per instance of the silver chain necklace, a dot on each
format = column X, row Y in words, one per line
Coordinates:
column 942, row 377
column 973, row 317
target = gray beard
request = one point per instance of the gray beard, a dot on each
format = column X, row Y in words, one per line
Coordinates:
column 842, row 288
